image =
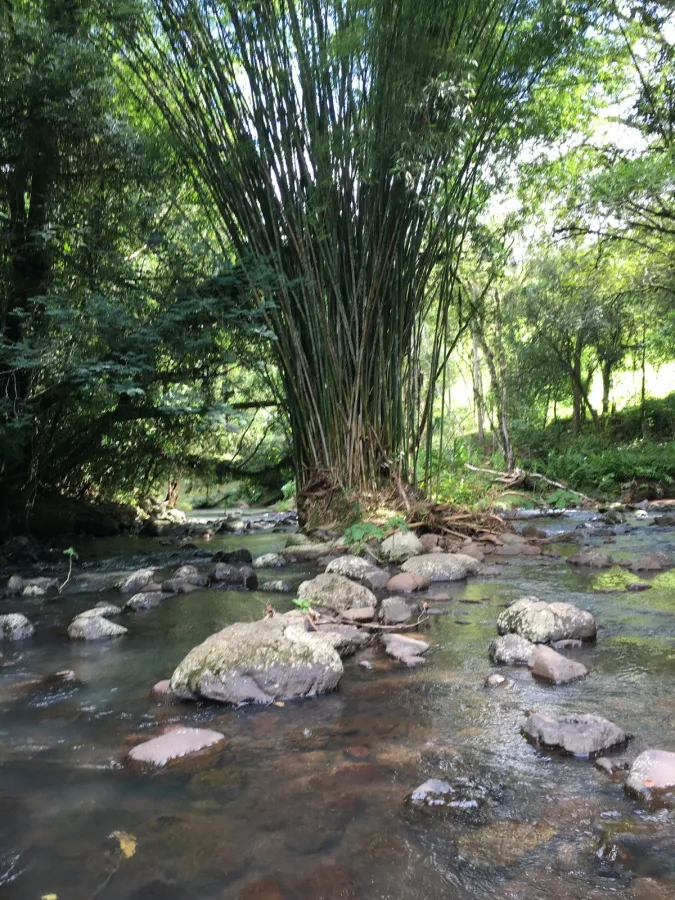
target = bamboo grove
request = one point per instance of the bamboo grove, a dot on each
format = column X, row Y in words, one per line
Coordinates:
column 350, row 145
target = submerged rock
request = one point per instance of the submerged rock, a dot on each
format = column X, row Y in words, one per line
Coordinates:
column 237, row 576
column 652, row 775
column 335, row 593
column 137, row 581
column 542, row 622
column 503, row 843
column 400, row 546
column 611, row 767
column 94, row 628
column 442, row 566
column 15, row 627
column 582, row 735
column 404, row 648
column 162, row 690
column 360, row 570
column 259, row 662
column 175, row 744
column 552, row 666
column 511, row 650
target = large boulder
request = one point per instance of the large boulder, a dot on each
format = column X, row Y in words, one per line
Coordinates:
column 94, row 628
column 400, row 546
column 542, row 622
column 259, row 662
column 175, row 744
column 442, row 566
column 548, row 664
column 335, row 593
column 360, row 570
column 137, row 581
column 652, row 774
column 237, row 576
column 511, row 650
column 582, row 735
column 15, row 627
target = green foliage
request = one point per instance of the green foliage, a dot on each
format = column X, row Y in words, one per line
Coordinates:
column 303, row 605
column 360, row 533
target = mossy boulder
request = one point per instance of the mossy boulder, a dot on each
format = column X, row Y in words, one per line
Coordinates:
column 259, row 662
column 542, row 622
column 335, row 592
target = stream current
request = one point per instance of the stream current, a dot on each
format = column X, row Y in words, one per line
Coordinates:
column 307, row 800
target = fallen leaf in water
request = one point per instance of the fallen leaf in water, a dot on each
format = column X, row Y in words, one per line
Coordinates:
column 279, row 703
column 649, row 783
column 126, row 841
column 49, row 897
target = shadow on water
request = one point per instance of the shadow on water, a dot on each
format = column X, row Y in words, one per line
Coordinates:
column 307, row 801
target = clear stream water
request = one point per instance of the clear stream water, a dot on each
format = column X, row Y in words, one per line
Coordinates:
column 308, row 801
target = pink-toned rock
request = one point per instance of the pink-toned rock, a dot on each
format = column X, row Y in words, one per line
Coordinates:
column 407, row 582
column 162, row 690
column 174, row 744
column 362, row 614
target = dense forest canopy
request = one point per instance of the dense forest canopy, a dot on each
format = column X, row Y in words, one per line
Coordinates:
column 354, row 242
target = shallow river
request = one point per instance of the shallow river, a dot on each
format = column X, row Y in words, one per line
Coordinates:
column 307, row 801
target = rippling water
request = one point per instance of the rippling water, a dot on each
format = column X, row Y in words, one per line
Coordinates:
column 307, row 801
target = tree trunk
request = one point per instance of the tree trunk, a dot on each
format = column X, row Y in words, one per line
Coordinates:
column 478, row 400
column 606, row 386
column 174, row 489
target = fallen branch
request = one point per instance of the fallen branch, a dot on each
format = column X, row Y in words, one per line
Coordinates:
column 374, row 627
column 520, row 477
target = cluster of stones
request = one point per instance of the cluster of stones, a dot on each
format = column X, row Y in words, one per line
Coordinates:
column 531, row 633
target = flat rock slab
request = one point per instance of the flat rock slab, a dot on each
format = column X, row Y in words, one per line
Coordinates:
column 174, row 744
column 652, row 774
column 582, row 735
column 442, row 566
column 408, row 650
column 552, row 666
column 511, row 650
